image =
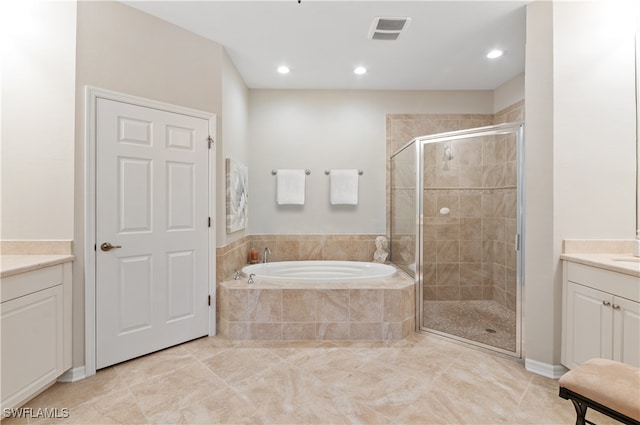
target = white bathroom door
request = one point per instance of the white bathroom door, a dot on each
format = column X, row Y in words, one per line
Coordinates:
column 152, row 207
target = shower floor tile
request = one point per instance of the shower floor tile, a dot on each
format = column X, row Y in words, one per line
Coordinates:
column 482, row 321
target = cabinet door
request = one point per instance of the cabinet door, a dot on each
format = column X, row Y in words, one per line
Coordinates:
column 32, row 344
column 626, row 331
column 589, row 324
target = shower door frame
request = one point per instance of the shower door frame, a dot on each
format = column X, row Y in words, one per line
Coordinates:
column 516, row 128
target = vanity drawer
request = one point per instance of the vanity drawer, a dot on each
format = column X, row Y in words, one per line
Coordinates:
column 619, row 284
column 32, row 281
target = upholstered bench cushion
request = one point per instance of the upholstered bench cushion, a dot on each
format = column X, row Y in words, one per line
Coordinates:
column 610, row 383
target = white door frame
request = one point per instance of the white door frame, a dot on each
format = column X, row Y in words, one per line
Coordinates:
column 92, row 94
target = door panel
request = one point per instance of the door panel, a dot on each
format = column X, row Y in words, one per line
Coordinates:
column 180, row 196
column 181, row 285
column 134, row 187
column 134, row 293
column 152, row 205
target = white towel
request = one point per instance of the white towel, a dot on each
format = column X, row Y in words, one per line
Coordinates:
column 344, row 187
column 290, row 187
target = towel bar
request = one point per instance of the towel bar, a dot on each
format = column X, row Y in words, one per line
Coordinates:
column 274, row 172
column 327, row 172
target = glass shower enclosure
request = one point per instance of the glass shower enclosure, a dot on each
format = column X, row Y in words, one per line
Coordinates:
column 456, row 226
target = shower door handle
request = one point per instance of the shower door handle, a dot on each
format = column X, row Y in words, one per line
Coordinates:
column 517, row 242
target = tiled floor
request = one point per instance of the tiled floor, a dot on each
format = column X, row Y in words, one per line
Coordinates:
column 420, row 380
column 471, row 320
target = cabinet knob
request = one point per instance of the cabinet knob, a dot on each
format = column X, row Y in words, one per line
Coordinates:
column 606, row 303
column 616, row 307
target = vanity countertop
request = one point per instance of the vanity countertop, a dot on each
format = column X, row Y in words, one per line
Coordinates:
column 14, row 264
column 620, row 263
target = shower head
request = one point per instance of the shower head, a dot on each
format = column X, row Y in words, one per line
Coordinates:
column 448, row 153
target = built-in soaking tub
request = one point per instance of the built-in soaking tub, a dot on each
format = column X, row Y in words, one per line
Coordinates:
column 319, row 271
column 317, row 300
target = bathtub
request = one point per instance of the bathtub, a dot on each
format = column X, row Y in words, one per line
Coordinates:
column 314, row 271
column 317, row 300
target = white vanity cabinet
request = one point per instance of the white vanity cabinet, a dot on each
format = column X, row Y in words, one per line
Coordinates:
column 600, row 316
column 35, row 321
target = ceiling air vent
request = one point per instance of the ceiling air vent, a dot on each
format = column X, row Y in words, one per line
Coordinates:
column 387, row 28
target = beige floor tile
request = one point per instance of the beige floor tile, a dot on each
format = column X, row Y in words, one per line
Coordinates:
column 207, row 347
column 225, row 407
column 11, row 420
column 345, row 410
column 111, row 408
column 240, row 363
column 175, row 390
column 153, row 365
column 381, row 387
column 281, row 391
column 426, row 364
column 69, row 395
column 541, row 404
column 422, row 379
column 426, row 409
column 328, row 365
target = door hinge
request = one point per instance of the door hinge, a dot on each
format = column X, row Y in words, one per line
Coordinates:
column 211, row 141
column 209, row 221
column 209, row 300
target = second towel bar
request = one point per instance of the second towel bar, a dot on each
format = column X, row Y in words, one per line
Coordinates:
column 327, row 172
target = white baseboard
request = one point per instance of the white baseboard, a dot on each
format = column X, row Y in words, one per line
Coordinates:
column 545, row 369
column 73, row 375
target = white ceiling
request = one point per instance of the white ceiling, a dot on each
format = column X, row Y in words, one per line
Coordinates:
column 322, row 41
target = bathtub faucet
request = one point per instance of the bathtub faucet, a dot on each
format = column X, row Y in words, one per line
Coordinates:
column 264, row 256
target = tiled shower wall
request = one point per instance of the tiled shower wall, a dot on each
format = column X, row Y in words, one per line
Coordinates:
column 468, row 254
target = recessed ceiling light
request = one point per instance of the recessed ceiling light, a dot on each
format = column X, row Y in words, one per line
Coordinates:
column 360, row 70
column 283, row 69
column 496, row 53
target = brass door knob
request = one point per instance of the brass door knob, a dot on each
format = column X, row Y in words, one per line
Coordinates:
column 106, row 246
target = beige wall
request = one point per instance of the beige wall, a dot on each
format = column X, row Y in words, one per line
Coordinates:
column 323, row 129
column 38, row 84
column 234, row 128
column 579, row 147
column 122, row 49
column 508, row 93
column 594, row 118
column 541, row 292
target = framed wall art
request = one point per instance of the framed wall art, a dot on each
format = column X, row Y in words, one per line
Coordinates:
column 237, row 195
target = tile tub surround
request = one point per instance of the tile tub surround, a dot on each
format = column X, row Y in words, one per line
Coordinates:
column 381, row 309
column 294, row 248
